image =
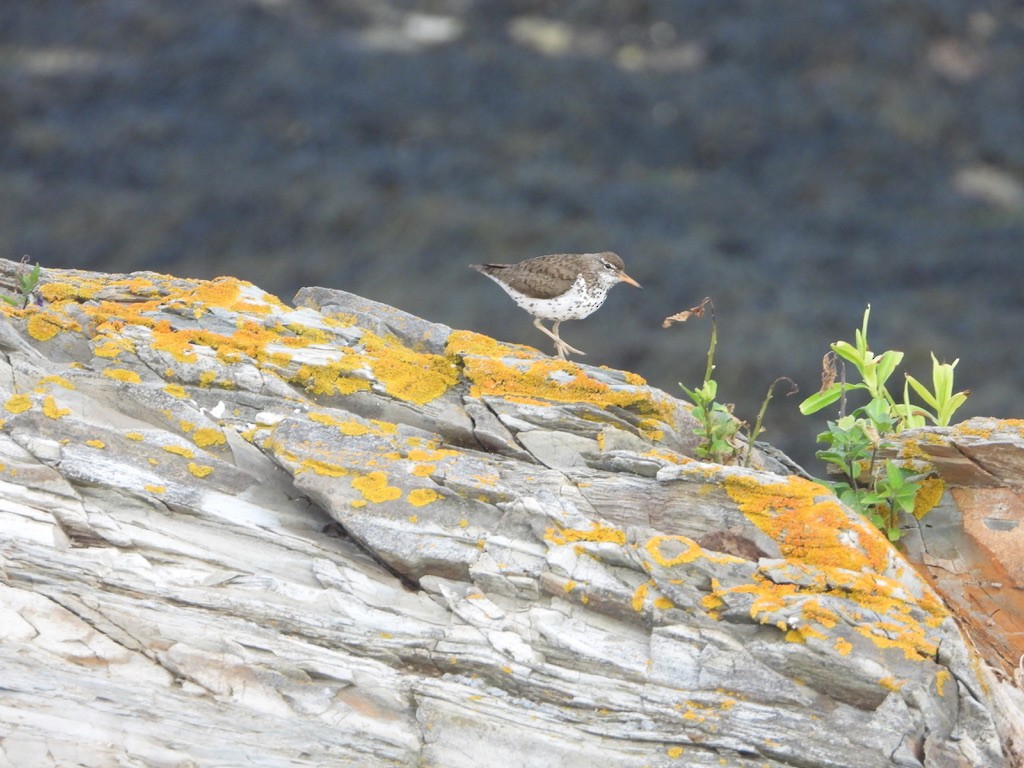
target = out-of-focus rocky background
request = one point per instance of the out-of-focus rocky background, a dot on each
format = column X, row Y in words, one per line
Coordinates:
column 793, row 160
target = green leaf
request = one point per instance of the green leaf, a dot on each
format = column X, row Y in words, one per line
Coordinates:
column 850, row 353
column 821, row 399
column 922, row 392
column 887, row 363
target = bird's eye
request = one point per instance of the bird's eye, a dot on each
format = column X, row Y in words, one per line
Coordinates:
column 608, row 265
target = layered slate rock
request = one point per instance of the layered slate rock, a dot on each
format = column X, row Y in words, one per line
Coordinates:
column 235, row 532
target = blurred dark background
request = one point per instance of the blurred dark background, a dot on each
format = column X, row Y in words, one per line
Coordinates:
column 793, row 160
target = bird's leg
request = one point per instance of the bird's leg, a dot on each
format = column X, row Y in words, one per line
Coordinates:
column 560, row 346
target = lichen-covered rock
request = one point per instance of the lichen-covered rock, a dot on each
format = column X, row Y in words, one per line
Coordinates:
column 235, row 532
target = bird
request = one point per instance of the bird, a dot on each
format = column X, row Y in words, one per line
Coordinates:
column 560, row 286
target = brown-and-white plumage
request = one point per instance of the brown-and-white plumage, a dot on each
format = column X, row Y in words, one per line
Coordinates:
column 559, row 286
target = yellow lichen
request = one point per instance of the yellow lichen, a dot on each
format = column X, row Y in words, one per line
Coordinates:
column 640, row 596
column 422, row 496
column 135, row 435
column 891, row 683
column 544, row 381
column 43, row 326
column 419, row 454
column 415, row 377
column 98, row 444
column 155, row 488
column 175, row 390
column 52, row 410
column 58, row 380
column 180, row 450
column 111, row 347
column 374, row 487
column 942, row 677
column 59, row 292
column 199, row 470
column 207, row 436
column 324, row 468
column 674, row 752
column 18, row 403
column 122, row 374
column 598, row 533
column 928, row 496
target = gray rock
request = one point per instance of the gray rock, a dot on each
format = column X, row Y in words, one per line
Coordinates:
column 234, row 533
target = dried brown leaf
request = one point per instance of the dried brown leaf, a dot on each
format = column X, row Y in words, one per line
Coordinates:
column 682, row 317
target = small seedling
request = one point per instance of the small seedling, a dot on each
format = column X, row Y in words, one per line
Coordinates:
column 27, row 283
column 718, row 426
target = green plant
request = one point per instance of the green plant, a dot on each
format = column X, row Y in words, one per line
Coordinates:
column 718, row 426
column 27, row 283
column 877, row 488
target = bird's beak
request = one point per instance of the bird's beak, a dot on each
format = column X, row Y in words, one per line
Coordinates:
column 627, row 279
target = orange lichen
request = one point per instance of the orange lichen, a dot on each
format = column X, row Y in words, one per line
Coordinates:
column 422, row 496
column 812, row 610
column 207, row 436
column 18, row 403
column 122, row 374
column 52, row 410
column 902, row 635
column 682, row 550
column 806, row 521
column 374, row 487
column 598, row 533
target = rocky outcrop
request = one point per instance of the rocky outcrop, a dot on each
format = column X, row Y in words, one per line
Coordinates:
column 235, row 532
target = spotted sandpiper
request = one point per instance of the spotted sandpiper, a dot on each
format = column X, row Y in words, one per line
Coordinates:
column 561, row 286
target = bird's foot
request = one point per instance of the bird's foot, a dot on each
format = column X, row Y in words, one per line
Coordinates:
column 562, row 349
